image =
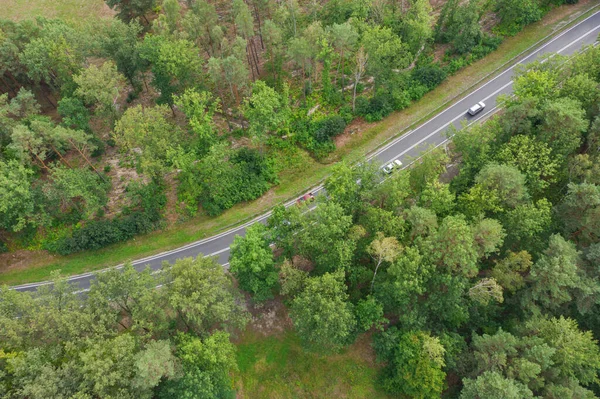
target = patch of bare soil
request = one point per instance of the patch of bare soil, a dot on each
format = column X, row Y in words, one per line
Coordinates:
column 269, row 318
column 354, row 129
column 440, row 51
column 560, row 12
column 362, row 350
column 302, row 263
column 265, row 198
column 106, row 11
column 22, row 259
column 452, row 170
column 120, row 177
column 171, row 213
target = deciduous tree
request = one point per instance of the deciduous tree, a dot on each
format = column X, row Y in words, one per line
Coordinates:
column 101, row 87
column 322, row 315
column 251, row 262
column 202, row 295
column 17, row 205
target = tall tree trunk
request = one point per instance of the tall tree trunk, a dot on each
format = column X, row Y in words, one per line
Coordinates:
column 262, row 44
column 60, row 155
column 233, row 97
column 41, row 88
column 354, row 97
column 210, row 40
column 256, row 60
column 237, row 95
column 10, row 90
column 38, row 158
column 343, row 74
column 337, row 72
column 86, row 159
column 249, row 60
column 294, row 20
column 375, row 275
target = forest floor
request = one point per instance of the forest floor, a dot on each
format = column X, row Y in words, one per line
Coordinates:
column 299, row 171
column 272, row 364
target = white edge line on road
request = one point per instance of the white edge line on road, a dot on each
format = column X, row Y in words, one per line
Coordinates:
column 387, row 146
column 523, row 61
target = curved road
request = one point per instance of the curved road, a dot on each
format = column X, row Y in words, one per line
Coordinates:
column 411, row 144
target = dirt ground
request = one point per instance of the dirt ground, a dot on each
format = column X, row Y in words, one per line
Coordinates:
column 270, row 318
column 354, row 129
column 23, row 259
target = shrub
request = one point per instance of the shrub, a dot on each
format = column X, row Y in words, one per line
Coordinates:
column 74, row 113
column 99, row 146
column 329, row 127
column 143, row 217
column 224, row 178
column 376, row 108
column 429, row 75
column 515, row 14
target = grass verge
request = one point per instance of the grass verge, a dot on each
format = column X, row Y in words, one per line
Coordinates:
column 295, row 180
column 69, row 10
column 277, row 367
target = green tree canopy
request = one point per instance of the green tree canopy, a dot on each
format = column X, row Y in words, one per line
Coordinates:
column 251, row 262
column 322, row 315
column 202, row 295
column 17, row 200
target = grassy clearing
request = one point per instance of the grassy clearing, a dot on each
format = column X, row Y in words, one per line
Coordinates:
column 70, row 10
column 294, row 180
column 277, row 367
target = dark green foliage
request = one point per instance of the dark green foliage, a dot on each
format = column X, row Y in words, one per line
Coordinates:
column 414, row 363
column 430, row 75
column 499, row 263
column 223, row 178
column 375, row 108
column 515, row 14
column 317, row 136
column 251, row 262
column 129, row 10
column 325, row 129
column 120, row 43
column 384, row 49
column 125, row 338
column 322, row 315
column 74, row 113
column 142, row 218
column 205, row 367
column 479, row 262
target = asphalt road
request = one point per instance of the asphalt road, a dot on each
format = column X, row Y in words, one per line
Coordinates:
column 409, row 145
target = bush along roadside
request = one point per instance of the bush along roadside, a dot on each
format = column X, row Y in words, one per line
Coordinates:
column 143, row 216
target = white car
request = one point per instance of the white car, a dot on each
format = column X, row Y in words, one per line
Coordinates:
column 390, row 167
column 477, row 108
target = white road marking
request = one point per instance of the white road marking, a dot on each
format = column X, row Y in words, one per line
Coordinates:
column 379, row 151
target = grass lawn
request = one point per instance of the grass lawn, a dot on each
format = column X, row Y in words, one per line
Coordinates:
column 39, row 265
column 70, row 10
column 277, row 367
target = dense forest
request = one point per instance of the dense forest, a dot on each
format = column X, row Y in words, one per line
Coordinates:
column 100, row 121
column 475, row 272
